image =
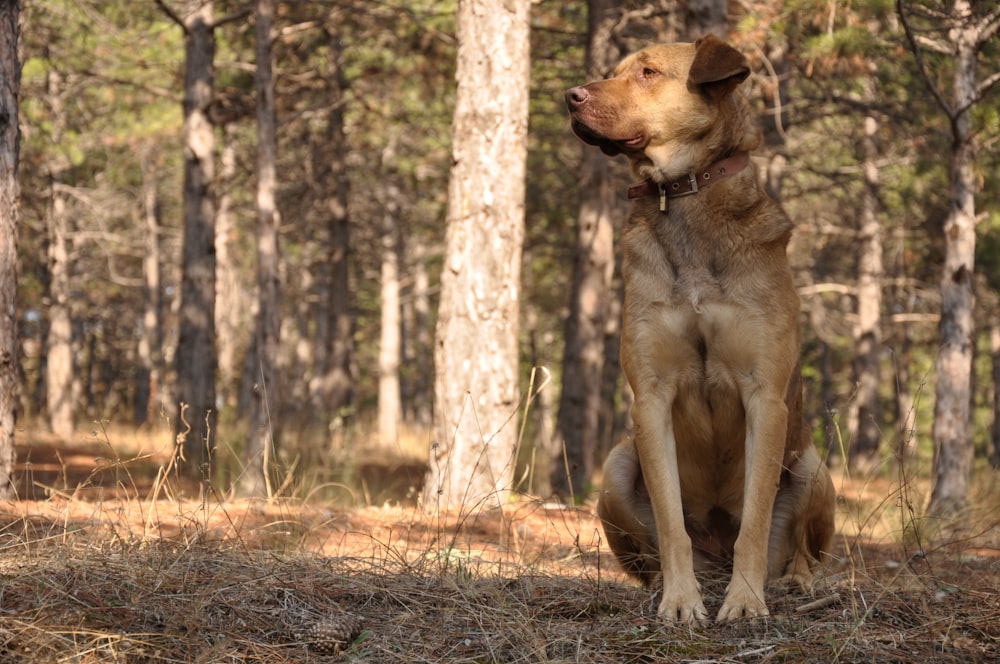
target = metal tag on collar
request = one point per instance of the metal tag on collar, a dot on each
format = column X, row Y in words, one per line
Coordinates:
column 663, row 196
column 693, row 181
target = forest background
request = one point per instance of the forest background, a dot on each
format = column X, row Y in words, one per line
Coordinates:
column 856, row 149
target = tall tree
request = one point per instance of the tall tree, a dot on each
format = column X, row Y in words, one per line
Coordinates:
column 260, row 440
column 195, row 358
column 577, row 423
column 10, row 136
column 333, row 388
column 230, row 318
column 150, row 348
column 863, row 455
column 390, row 406
column 59, row 355
column 966, row 26
column 476, row 344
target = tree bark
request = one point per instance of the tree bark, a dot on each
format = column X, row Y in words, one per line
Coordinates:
column 195, row 359
column 419, row 341
column 774, row 91
column 574, row 454
column 476, row 341
column 333, row 389
column 10, row 139
column 865, row 424
column 230, row 316
column 390, row 406
column 260, row 435
column 148, row 382
column 59, row 357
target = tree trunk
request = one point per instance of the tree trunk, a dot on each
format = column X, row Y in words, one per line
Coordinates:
column 419, row 341
column 476, row 342
column 334, row 388
column 260, row 439
column 865, row 424
column 390, row 406
column 59, row 356
column 59, row 365
column 906, row 415
column 195, row 357
column 774, row 91
column 543, row 461
column 10, row 136
column 230, row 317
column 583, row 355
column 953, row 445
column 147, row 400
column 578, row 422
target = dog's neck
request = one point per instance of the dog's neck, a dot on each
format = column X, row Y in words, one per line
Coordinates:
column 691, row 183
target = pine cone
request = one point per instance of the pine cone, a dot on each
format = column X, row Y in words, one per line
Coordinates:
column 327, row 636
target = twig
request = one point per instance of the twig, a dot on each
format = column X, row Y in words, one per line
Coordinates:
column 820, row 603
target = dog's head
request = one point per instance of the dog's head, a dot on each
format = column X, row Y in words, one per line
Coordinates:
column 668, row 107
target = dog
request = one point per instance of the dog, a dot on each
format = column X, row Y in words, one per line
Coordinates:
column 722, row 468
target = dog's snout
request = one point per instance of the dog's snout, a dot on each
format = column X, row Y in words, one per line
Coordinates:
column 577, row 97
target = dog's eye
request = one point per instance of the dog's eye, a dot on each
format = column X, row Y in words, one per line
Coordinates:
column 649, row 73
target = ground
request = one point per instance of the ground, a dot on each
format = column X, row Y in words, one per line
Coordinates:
column 124, row 570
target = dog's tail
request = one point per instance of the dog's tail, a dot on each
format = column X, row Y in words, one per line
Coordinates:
column 802, row 524
column 627, row 515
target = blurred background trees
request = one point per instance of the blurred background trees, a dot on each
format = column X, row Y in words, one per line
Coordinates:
column 856, row 149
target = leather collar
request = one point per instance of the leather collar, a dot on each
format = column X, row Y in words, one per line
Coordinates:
column 691, row 183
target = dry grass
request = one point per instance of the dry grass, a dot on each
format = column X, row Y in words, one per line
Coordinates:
column 130, row 580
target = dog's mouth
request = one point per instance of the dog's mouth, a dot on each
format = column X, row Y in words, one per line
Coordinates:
column 608, row 145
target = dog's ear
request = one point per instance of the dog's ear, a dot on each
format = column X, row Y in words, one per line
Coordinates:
column 717, row 68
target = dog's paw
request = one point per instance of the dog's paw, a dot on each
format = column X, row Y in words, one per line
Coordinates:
column 790, row 583
column 681, row 603
column 798, row 575
column 742, row 602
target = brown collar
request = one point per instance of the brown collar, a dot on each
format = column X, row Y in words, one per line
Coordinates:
column 690, row 183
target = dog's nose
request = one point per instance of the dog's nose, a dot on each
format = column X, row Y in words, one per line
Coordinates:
column 577, row 97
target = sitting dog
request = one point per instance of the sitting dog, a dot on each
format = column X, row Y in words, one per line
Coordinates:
column 722, row 467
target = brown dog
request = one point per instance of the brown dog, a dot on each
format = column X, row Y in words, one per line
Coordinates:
column 722, row 467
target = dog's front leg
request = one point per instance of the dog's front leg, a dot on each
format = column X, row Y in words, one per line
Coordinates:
column 657, row 448
column 767, row 420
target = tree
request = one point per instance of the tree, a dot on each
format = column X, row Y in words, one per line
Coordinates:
column 863, row 455
column 476, row 340
column 333, row 388
column 195, row 359
column 577, row 423
column 150, row 351
column 230, row 317
column 10, row 132
column 59, row 355
column 390, row 406
column 260, row 442
column 966, row 33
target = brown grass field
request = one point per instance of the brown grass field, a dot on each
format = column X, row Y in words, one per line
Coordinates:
column 105, row 571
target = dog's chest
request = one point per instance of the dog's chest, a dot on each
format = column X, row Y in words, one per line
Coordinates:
column 696, row 264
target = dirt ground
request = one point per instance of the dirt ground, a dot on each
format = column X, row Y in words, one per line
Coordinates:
column 103, row 574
